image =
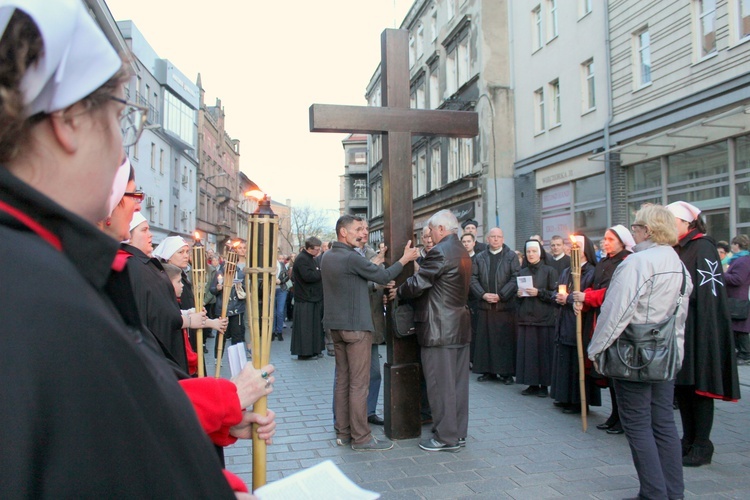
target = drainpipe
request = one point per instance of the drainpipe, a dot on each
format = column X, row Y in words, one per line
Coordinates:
column 610, row 113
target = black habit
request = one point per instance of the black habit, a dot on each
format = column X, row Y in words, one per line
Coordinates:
column 307, row 330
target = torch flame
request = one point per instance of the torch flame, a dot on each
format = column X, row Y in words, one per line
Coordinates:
column 236, row 244
column 197, row 236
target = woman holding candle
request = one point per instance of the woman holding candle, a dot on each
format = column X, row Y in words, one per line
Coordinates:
column 565, row 382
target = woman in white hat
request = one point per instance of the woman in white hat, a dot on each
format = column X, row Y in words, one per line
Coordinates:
column 617, row 244
column 709, row 370
column 73, row 359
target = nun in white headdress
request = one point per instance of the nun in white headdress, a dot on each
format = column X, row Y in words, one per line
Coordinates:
column 536, row 321
column 95, row 402
column 618, row 244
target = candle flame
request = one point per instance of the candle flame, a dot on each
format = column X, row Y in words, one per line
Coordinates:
column 197, row 236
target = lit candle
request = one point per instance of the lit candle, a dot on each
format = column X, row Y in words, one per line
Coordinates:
column 562, row 289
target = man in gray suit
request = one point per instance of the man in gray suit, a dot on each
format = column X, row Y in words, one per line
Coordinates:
column 443, row 325
column 347, row 313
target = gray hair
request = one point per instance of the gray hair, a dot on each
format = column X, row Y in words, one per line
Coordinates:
column 446, row 219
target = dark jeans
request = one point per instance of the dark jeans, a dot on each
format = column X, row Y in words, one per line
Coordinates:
column 375, row 379
column 647, row 415
column 742, row 341
column 235, row 333
column 279, row 306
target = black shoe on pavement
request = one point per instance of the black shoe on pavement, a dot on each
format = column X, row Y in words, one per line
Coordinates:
column 507, row 380
column 375, row 420
column 433, row 444
column 616, row 429
column 486, row 377
column 609, row 423
column 530, row 391
column 542, row 393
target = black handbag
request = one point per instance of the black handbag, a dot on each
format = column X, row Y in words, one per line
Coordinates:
column 644, row 353
column 402, row 318
column 738, row 308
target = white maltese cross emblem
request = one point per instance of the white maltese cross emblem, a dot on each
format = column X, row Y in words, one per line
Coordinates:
column 711, row 276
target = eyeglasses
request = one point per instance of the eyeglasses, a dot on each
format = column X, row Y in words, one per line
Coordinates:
column 132, row 120
column 137, row 195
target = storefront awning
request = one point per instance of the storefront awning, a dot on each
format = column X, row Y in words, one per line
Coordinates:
column 708, row 129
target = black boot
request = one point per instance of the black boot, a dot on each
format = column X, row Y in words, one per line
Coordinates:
column 610, row 422
column 700, row 454
column 686, row 445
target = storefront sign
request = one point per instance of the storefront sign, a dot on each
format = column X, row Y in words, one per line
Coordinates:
column 567, row 171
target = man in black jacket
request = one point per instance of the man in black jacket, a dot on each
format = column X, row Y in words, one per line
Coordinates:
column 443, row 331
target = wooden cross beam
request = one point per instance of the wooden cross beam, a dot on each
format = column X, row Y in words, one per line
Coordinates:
column 398, row 123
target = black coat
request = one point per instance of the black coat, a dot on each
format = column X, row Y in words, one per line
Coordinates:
column 157, row 302
column 90, row 408
column 539, row 310
column 557, row 265
column 504, row 278
column 441, row 286
column 308, row 284
column 710, row 359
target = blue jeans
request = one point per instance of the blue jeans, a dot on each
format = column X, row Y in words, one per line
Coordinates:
column 375, row 378
column 279, row 310
column 647, row 415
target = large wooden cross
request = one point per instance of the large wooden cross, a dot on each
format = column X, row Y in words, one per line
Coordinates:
column 397, row 122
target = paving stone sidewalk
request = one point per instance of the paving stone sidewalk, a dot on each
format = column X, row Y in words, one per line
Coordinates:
column 518, row 447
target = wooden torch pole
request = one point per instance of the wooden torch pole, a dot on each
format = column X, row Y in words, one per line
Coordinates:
column 199, row 286
column 230, row 265
column 263, row 233
column 575, row 271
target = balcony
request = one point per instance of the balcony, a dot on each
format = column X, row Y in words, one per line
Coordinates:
column 222, row 195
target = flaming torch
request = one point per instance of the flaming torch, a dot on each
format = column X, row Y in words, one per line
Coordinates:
column 199, row 287
column 575, row 272
column 230, row 266
column 260, row 276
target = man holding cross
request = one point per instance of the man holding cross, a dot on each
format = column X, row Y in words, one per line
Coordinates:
column 347, row 313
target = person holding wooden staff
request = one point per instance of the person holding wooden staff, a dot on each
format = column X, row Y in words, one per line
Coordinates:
column 80, row 363
column 565, row 388
column 228, row 282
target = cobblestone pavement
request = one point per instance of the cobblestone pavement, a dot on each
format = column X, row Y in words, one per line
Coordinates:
column 518, row 447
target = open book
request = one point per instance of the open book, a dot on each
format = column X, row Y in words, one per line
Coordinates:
column 323, row 480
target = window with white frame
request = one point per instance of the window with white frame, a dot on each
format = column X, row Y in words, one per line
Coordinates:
column 555, row 117
column 414, row 189
column 412, row 51
column 453, row 167
column 435, row 170
column 421, row 172
column 433, row 25
column 584, row 7
column 420, row 95
column 458, row 62
column 536, row 28
column 377, row 148
column 705, row 11
column 588, row 85
column 451, row 6
column 642, row 70
column 552, row 19
column 420, row 40
column 434, row 87
column 360, row 189
column 376, row 201
column 539, row 122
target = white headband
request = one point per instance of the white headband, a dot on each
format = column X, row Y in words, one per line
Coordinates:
column 77, row 57
column 138, row 219
column 533, row 242
column 168, row 247
column 684, row 210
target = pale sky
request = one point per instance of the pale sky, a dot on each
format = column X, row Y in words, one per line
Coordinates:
column 268, row 61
